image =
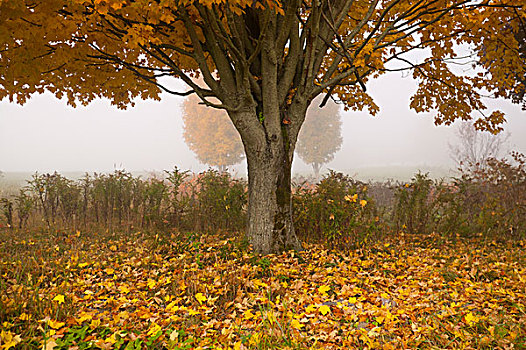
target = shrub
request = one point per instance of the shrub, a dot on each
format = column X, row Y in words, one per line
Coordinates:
column 6, row 205
column 116, row 200
column 494, row 197
column 489, row 201
column 208, row 201
column 337, row 211
column 415, row 207
column 56, row 197
column 176, row 201
column 221, row 201
column 24, row 206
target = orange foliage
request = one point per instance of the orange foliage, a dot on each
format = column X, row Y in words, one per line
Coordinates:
column 85, row 49
column 210, row 135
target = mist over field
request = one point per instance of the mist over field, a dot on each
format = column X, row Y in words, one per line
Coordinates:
column 47, row 135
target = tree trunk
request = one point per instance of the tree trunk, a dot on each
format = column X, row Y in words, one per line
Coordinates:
column 316, row 167
column 268, row 115
column 270, row 226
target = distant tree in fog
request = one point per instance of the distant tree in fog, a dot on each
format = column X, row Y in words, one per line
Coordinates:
column 472, row 148
column 210, row 134
column 320, row 138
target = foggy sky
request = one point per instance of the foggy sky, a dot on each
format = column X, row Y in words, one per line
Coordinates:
column 47, row 135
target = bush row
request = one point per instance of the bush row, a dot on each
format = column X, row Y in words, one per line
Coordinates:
column 338, row 210
column 488, row 201
column 121, row 201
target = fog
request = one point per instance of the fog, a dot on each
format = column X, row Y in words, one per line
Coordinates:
column 47, row 135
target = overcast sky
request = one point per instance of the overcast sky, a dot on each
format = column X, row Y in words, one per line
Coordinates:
column 46, row 135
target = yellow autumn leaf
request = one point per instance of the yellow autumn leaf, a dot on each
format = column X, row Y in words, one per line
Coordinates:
column 200, row 298
column 59, row 298
column 95, row 323
column 324, row 309
column 324, row 289
column 167, row 17
column 193, row 312
column 359, row 61
column 151, row 283
column 352, row 198
column 172, row 307
column 310, row 309
column 55, row 324
column 84, row 316
column 116, row 6
column 259, row 283
column 8, row 340
column 296, row 324
column 111, row 339
column 471, row 319
column 363, row 203
column 153, row 330
column 24, row 317
column 247, row 315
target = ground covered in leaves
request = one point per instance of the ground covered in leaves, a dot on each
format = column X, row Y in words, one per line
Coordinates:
column 86, row 290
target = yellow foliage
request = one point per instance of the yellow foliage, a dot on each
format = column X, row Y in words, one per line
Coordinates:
column 59, row 298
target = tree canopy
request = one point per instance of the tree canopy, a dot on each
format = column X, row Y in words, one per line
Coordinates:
column 496, row 59
column 210, row 135
column 264, row 61
column 86, row 49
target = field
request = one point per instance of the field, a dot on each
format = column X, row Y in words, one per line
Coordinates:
column 120, row 261
column 87, row 290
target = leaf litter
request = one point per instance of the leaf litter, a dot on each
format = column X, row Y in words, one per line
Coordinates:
column 178, row 291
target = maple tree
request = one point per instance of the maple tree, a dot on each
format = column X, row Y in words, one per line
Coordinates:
column 320, row 137
column 496, row 55
column 264, row 61
column 210, row 135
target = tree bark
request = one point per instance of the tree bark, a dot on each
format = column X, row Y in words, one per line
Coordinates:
column 270, row 225
column 269, row 148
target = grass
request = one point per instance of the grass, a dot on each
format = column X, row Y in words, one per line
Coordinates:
column 183, row 291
